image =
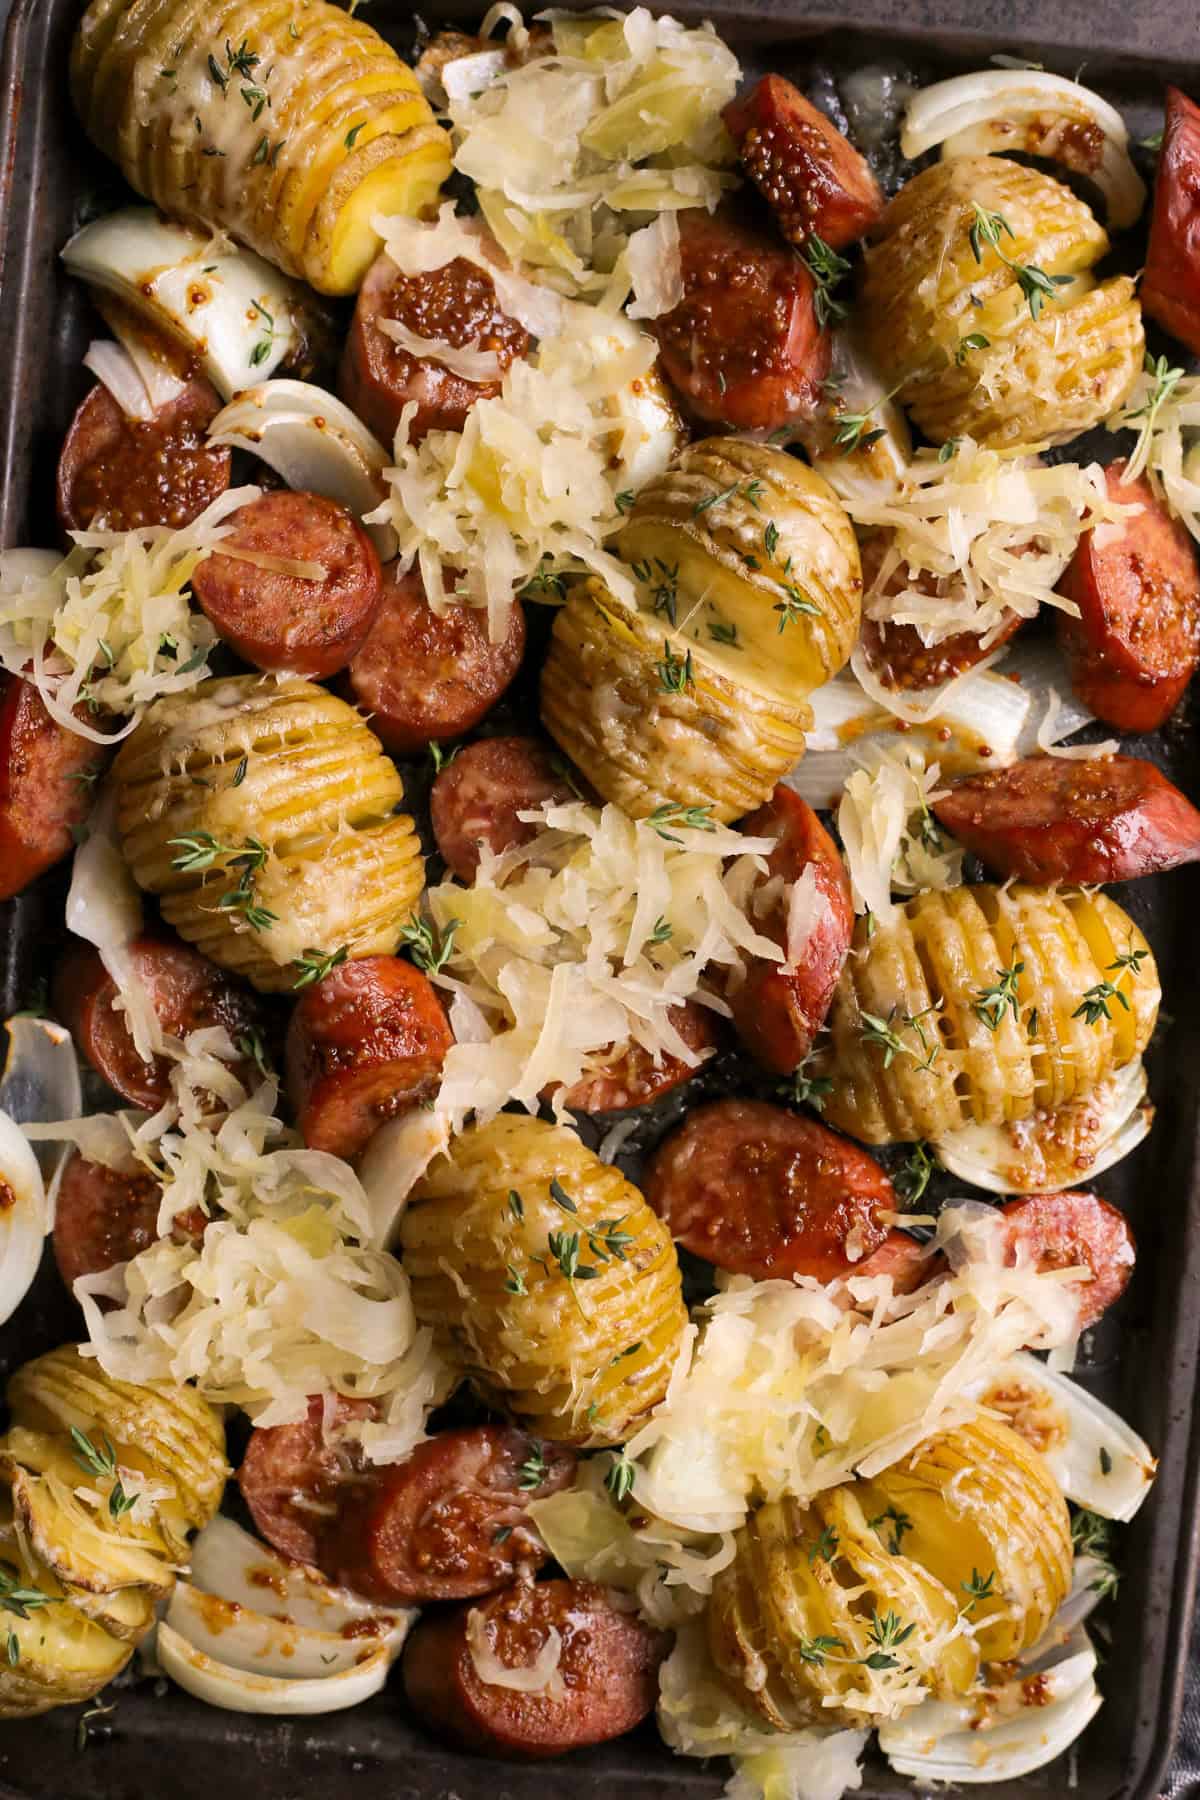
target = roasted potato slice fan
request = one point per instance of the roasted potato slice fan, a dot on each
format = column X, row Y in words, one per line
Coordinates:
column 816, row 1620
column 750, row 593
column 288, row 127
column 983, row 1004
column 290, row 780
column 978, row 304
column 99, row 1482
column 981, row 1511
column 547, row 1279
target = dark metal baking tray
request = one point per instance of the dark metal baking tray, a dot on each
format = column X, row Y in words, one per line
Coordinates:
column 1143, row 1357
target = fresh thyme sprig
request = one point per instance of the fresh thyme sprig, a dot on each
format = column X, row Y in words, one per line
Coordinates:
column 1036, row 285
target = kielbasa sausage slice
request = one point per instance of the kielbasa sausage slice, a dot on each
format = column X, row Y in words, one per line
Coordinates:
column 123, row 474
column 743, row 346
column 1171, row 281
column 1136, row 644
column 780, row 1007
column 363, row 1045
column 607, row 1670
column 271, row 613
column 1062, row 1231
column 812, row 178
column 46, row 778
column 424, row 676
column 105, row 1216
column 475, row 800
column 455, row 304
column 294, row 1478
column 188, row 992
column 764, row 1192
column 447, row 1523
column 1058, row 818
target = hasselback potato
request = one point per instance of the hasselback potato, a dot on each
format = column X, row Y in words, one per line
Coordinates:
column 285, row 807
column 100, row 1483
column 983, row 1513
column 812, row 1598
column 983, row 1004
column 710, row 741
column 972, row 350
column 287, row 126
column 750, row 594
column 547, row 1279
column 753, row 536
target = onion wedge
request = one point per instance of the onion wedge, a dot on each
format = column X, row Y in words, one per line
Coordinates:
column 1028, row 110
column 1054, row 1150
column 236, row 1690
column 23, row 1216
column 314, row 442
column 234, row 1566
column 261, row 1645
column 240, row 318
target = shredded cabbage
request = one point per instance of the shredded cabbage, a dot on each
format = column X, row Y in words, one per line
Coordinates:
column 281, row 1299
column 571, row 151
column 1164, row 410
column 585, row 938
column 891, row 839
column 112, row 627
column 989, row 533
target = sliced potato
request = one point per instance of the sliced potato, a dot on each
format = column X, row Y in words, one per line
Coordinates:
column 77, row 1543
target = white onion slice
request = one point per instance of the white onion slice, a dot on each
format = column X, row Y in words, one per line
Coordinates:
column 1097, row 1459
column 261, row 1645
column 1014, row 1726
column 104, row 907
column 1089, row 1581
column 394, row 1161
column 115, row 369
column 240, row 317
column 465, row 360
column 235, row 1690
column 233, row 1565
column 1054, row 1150
column 1002, row 110
column 314, row 441
column 23, row 1216
column 41, row 1073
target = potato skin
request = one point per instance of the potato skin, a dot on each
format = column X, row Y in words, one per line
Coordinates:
column 579, row 1363
column 347, row 134
column 933, row 965
column 1035, row 381
column 295, row 769
column 715, row 744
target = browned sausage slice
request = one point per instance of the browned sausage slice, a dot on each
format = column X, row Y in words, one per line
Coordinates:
column 895, row 652
column 813, row 179
column 1063, row 1231
column 631, row 1077
column 1171, row 282
column 189, row 993
column 294, row 1478
column 764, row 1192
column 275, row 615
column 1058, row 818
column 102, row 1217
column 123, row 473
column 424, row 677
column 363, row 1045
column 46, row 779
column 475, row 800
column 743, row 345
column 607, row 1668
column 908, row 1262
column 780, row 1007
column 455, row 304
column 448, row 1522
column 1136, row 643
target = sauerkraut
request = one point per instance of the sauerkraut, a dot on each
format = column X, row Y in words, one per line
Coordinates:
column 891, row 839
column 570, row 150
column 587, row 937
column 1164, row 410
column 111, row 627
